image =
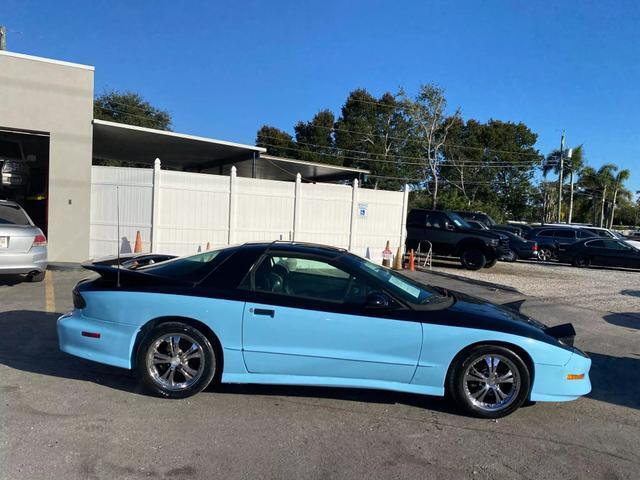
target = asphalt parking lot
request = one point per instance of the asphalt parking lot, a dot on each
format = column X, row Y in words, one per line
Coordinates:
column 62, row 417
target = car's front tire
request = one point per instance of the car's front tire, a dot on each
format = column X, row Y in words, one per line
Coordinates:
column 489, row 381
column 176, row 360
column 581, row 261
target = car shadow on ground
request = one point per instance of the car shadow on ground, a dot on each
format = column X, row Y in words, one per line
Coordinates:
column 11, row 280
column 630, row 293
column 615, row 380
column 29, row 342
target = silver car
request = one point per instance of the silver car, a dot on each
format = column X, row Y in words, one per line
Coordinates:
column 23, row 246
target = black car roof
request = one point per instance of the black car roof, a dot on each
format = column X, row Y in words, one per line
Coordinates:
column 298, row 247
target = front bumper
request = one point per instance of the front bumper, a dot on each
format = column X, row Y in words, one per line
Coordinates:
column 551, row 384
column 113, row 347
column 35, row 260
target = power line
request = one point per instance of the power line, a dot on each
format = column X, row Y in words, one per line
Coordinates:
column 500, row 164
column 422, row 159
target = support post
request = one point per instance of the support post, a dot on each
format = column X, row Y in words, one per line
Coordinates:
column 403, row 219
column 354, row 212
column 296, row 207
column 232, row 206
column 155, row 206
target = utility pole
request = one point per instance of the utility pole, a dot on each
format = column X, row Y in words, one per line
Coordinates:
column 560, row 179
column 3, row 38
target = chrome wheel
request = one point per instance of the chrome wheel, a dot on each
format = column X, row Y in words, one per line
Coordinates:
column 545, row 254
column 491, row 382
column 175, row 361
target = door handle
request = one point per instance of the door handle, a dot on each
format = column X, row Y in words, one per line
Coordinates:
column 264, row 311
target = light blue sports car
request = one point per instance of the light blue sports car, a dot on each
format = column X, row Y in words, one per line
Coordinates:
column 303, row 314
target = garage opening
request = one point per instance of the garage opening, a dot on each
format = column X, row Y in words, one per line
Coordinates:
column 24, row 171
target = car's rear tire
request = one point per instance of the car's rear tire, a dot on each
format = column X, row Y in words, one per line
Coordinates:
column 473, row 259
column 545, row 254
column 581, row 261
column 36, row 277
column 176, row 360
column 489, row 381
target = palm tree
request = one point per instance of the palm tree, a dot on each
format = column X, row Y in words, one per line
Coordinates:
column 598, row 182
column 571, row 167
column 621, row 177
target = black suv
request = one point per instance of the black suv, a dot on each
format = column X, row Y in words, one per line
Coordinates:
column 450, row 235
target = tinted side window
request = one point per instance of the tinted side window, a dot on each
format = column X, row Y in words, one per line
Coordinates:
column 436, row 220
column 545, row 233
column 595, row 244
column 416, row 218
column 564, row 233
column 586, row 234
column 613, row 245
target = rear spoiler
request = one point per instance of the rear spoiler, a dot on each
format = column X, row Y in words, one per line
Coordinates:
column 109, row 273
column 564, row 333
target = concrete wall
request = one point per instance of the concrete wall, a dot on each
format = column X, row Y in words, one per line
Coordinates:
column 56, row 97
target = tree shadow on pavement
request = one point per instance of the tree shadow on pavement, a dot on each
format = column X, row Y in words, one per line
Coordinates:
column 29, row 342
column 630, row 293
column 615, row 380
column 627, row 320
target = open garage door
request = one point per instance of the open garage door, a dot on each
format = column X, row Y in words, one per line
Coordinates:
column 24, row 171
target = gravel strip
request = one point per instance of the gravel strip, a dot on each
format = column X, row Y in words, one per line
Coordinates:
column 606, row 290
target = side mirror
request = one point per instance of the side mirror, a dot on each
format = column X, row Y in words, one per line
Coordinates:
column 377, row 300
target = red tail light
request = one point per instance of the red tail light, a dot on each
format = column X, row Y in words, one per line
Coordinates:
column 39, row 241
column 534, row 247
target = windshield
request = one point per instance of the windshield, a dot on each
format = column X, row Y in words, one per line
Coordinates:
column 12, row 215
column 191, row 268
column 458, row 220
column 401, row 286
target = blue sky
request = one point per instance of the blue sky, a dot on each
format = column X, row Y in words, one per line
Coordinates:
column 225, row 68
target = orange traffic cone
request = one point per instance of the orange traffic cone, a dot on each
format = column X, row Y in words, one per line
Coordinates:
column 387, row 255
column 412, row 261
column 208, row 246
column 138, row 246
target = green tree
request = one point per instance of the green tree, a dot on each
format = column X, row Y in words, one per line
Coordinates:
column 617, row 188
column 571, row 169
column 315, row 141
column 598, row 182
column 130, row 108
column 372, row 133
column 428, row 127
column 276, row 141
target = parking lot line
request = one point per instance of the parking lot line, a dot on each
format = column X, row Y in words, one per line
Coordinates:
column 49, row 293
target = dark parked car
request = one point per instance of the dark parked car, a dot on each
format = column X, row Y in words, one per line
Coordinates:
column 520, row 247
column 492, row 224
column 600, row 251
column 550, row 239
column 450, row 235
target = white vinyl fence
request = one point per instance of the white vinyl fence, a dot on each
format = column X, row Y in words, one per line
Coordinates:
column 181, row 212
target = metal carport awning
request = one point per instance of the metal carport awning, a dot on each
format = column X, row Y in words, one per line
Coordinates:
column 140, row 145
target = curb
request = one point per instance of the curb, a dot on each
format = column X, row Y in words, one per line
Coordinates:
column 481, row 283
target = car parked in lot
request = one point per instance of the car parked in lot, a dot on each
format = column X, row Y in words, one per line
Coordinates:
column 23, row 246
column 551, row 238
column 303, row 314
column 518, row 246
column 600, row 251
column 14, row 170
column 518, row 229
column 450, row 235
